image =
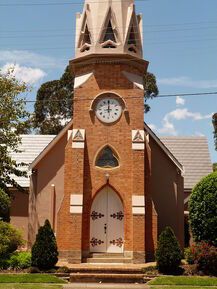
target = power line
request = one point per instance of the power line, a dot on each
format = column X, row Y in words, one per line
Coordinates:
column 132, row 97
column 90, row 29
column 92, row 34
column 55, row 3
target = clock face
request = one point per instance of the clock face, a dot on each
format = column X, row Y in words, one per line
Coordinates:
column 108, row 109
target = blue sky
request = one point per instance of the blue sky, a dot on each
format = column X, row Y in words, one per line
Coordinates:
column 180, row 41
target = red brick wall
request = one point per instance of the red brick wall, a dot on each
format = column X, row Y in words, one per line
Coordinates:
column 127, row 180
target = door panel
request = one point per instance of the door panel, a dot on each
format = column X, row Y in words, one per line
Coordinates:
column 98, row 219
column 115, row 223
column 107, row 223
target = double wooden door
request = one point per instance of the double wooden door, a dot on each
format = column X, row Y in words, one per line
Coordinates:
column 107, row 223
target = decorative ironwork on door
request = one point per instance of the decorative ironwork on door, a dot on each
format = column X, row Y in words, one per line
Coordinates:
column 118, row 242
column 119, row 216
column 95, row 242
column 95, row 215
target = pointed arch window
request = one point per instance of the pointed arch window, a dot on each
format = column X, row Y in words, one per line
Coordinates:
column 107, row 158
column 109, row 33
column 109, row 36
column 132, row 41
column 86, row 37
column 132, row 37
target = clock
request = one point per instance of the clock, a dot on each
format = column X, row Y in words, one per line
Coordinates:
column 108, row 109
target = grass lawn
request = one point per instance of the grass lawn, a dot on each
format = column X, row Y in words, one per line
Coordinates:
column 181, row 282
column 30, row 286
column 29, row 278
column 179, row 287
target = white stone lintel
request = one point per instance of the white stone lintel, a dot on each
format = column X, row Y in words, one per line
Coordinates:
column 76, row 200
column 138, row 146
column 138, row 210
column 76, row 209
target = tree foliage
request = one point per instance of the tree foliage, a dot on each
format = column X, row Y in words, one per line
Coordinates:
column 203, row 210
column 5, row 203
column 54, row 104
column 13, row 118
column 10, row 240
column 151, row 88
column 215, row 167
column 44, row 250
column 168, row 253
column 214, row 120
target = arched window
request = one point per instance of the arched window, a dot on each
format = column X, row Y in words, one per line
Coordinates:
column 107, row 158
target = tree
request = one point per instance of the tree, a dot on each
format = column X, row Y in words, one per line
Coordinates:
column 168, row 253
column 44, row 250
column 215, row 167
column 5, row 203
column 54, row 104
column 203, row 210
column 214, row 120
column 12, row 121
column 151, row 89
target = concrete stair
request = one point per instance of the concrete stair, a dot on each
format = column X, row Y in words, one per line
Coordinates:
column 108, row 258
column 107, row 274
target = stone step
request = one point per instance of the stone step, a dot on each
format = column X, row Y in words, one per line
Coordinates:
column 109, row 260
column 105, row 286
column 106, row 278
column 107, row 268
column 106, row 255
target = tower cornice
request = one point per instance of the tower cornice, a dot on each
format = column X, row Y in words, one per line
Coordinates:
column 92, row 59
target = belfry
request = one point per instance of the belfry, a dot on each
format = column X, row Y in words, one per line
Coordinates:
column 105, row 171
column 114, row 185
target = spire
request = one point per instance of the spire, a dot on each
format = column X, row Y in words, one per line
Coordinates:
column 109, row 26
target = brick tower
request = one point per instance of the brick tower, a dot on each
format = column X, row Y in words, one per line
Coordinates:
column 103, row 210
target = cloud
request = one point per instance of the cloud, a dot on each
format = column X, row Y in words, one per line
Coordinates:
column 185, row 81
column 27, row 58
column 25, row 74
column 184, row 113
column 168, row 126
column 180, row 100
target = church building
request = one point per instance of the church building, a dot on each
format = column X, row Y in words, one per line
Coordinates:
column 107, row 183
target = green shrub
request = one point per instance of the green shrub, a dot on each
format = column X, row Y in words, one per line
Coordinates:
column 20, row 260
column 205, row 257
column 10, row 240
column 4, row 263
column 207, row 260
column 168, row 253
column 63, row 269
column 34, row 270
column 203, row 210
column 44, row 250
column 189, row 256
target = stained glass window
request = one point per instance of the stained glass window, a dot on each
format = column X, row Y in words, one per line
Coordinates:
column 107, row 158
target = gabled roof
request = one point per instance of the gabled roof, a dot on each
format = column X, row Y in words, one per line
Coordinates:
column 164, row 148
column 193, row 153
column 30, row 147
column 51, row 144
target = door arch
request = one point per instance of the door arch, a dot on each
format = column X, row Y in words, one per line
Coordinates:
column 107, row 222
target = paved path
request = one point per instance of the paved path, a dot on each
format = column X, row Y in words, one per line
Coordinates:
column 105, row 286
